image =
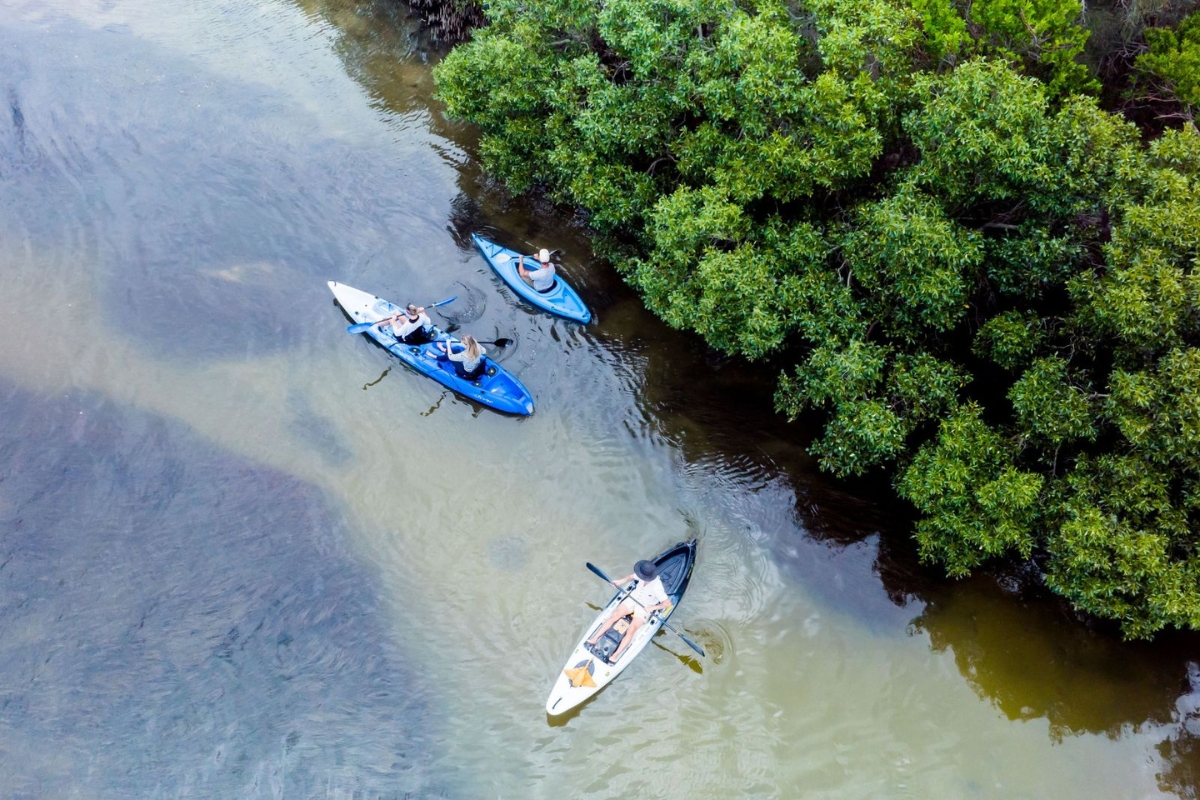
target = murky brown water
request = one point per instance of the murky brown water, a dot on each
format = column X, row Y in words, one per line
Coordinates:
column 243, row 554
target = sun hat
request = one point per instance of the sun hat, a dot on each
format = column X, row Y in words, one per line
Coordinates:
column 645, row 570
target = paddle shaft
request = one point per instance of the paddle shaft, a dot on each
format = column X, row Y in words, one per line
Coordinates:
column 521, row 257
column 364, row 326
column 501, row 342
column 630, row 596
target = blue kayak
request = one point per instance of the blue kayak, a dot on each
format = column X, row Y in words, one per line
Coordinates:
column 497, row 388
column 561, row 300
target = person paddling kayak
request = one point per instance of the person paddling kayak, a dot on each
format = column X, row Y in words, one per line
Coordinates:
column 543, row 277
column 411, row 326
column 468, row 362
column 646, row 598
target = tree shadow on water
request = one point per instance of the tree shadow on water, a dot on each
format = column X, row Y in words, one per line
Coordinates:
column 1017, row 646
column 1181, row 750
column 1031, row 658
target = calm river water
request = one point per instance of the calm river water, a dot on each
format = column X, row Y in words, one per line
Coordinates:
column 244, row 555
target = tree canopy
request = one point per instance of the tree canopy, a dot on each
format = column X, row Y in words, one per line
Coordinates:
column 988, row 282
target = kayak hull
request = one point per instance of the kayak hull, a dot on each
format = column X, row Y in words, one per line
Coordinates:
column 572, row 686
column 497, row 388
column 561, row 300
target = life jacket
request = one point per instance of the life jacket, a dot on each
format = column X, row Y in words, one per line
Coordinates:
column 417, row 335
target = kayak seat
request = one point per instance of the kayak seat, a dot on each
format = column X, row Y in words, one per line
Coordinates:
column 489, row 372
column 553, row 286
column 418, row 337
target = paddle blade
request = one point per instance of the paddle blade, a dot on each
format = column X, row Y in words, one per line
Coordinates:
column 599, row 572
column 691, row 644
column 502, row 342
column 442, row 302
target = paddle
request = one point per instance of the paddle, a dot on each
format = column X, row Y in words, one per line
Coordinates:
column 366, row 326
column 521, row 258
column 665, row 624
column 501, row 342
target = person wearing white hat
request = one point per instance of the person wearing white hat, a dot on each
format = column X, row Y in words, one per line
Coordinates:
column 543, row 277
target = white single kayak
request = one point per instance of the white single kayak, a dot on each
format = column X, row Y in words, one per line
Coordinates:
column 587, row 670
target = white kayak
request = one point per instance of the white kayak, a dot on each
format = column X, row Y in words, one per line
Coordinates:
column 587, row 670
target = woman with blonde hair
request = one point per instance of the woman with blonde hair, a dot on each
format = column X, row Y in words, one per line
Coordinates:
column 468, row 362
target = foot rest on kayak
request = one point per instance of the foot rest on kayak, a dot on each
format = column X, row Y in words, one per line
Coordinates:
column 611, row 640
column 602, row 650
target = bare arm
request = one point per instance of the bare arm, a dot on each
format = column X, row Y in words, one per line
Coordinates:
column 621, row 583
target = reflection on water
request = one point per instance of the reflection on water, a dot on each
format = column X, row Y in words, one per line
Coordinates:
column 172, row 613
column 240, row 574
column 1181, row 750
column 1032, row 661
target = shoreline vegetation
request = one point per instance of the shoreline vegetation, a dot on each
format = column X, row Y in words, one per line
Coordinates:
column 972, row 230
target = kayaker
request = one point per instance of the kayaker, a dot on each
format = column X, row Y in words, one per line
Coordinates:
column 468, row 362
column 412, row 326
column 646, row 598
column 543, row 277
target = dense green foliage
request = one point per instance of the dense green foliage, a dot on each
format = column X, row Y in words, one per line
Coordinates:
column 987, row 282
column 1173, row 63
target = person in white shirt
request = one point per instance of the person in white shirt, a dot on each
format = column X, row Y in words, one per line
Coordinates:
column 646, row 598
column 411, row 326
column 543, row 277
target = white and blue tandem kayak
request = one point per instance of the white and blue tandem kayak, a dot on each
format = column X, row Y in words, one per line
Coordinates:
column 561, row 300
column 587, row 670
column 496, row 388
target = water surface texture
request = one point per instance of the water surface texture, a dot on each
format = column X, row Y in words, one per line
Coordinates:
column 243, row 554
